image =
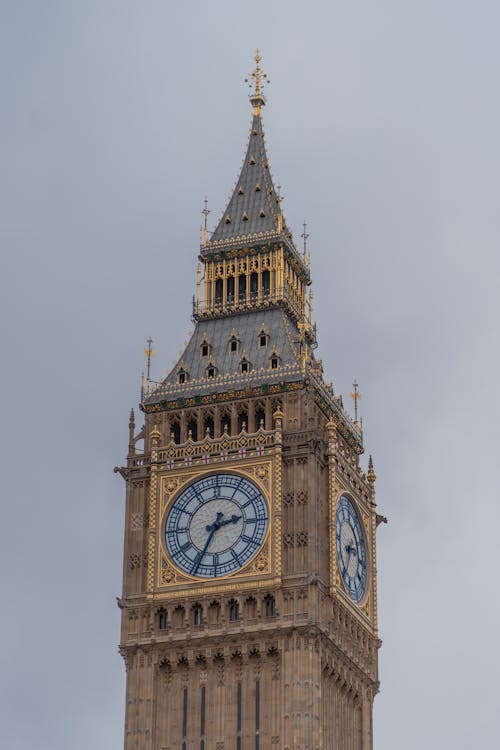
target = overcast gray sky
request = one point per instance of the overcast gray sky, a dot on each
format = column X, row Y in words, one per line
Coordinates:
column 382, row 126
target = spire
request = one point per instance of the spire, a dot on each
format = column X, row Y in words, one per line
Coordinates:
column 371, row 472
column 254, row 207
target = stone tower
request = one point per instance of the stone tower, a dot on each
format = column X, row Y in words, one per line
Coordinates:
column 249, row 605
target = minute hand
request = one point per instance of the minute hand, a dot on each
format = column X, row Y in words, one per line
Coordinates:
column 202, row 553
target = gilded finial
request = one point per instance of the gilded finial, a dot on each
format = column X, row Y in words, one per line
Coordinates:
column 305, row 237
column 256, row 80
column 356, row 396
column 149, row 352
column 371, row 476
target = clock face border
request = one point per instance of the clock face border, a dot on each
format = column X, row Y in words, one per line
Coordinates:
column 233, row 536
column 264, row 566
column 364, row 540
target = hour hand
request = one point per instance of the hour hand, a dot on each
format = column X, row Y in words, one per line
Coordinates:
column 233, row 519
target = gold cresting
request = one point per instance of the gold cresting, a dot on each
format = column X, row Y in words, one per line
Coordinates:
column 256, row 79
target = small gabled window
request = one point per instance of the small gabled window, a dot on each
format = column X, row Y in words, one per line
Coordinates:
column 274, row 361
column 233, row 344
column 245, row 216
column 245, row 365
column 205, row 348
column 263, row 338
column 211, row 371
column 183, row 376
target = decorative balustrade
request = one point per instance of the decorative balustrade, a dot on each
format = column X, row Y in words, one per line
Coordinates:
column 209, row 450
column 236, row 380
column 238, row 304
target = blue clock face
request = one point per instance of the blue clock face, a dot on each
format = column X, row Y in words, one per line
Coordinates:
column 216, row 525
column 351, row 553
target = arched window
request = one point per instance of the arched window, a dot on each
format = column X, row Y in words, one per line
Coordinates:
column 245, row 365
column 274, row 361
column 233, row 610
column 250, row 610
column 242, row 288
column 214, row 613
column 269, row 606
column 178, row 617
column 263, row 337
column 211, row 370
column 197, row 614
column 182, row 376
column 266, row 283
column 175, row 432
column 225, row 422
column 205, row 348
column 192, row 428
column 162, row 619
column 233, row 344
column 230, row 289
column 254, row 285
column 242, row 418
column 208, row 427
column 218, row 292
column 260, row 418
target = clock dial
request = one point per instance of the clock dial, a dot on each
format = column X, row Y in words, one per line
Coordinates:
column 216, row 525
column 351, row 553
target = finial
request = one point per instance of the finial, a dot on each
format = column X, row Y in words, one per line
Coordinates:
column 356, row 396
column 198, row 283
column 131, row 429
column 305, row 237
column 258, row 78
column 155, row 435
column 149, row 352
column 371, row 476
column 205, row 213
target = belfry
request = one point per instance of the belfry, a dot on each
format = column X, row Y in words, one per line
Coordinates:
column 249, row 604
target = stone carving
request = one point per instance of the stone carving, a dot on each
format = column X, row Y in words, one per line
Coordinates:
column 136, row 522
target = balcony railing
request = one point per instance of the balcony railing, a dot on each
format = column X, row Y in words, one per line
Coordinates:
column 234, row 304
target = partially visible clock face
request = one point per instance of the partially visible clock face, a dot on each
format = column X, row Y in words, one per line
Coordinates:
column 216, row 525
column 351, row 553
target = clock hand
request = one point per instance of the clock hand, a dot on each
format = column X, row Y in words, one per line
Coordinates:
column 233, row 519
column 212, row 529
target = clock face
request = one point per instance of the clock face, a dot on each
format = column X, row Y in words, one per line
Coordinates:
column 351, row 552
column 216, row 525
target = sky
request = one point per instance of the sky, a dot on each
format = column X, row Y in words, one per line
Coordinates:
column 117, row 119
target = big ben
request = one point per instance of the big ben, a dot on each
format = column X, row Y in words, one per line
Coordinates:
column 249, row 604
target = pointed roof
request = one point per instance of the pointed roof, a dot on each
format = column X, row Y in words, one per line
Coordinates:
column 254, row 206
column 253, row 214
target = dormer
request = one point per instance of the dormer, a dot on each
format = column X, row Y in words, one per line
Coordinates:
column 234, row 342
column 211, row 370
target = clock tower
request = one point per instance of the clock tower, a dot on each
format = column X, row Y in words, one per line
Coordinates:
column 249, row 604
